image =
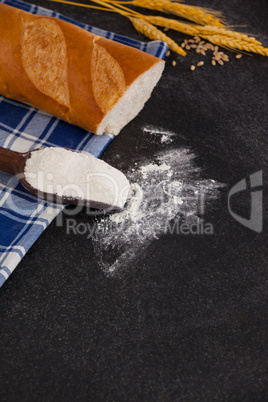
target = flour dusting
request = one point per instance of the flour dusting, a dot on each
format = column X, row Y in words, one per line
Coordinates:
column 165, row 139
column 132, row 211
column 166, row 191
column 166, row 135
column 152, row 167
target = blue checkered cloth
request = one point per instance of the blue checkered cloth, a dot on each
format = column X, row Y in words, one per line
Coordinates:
column 23, row 217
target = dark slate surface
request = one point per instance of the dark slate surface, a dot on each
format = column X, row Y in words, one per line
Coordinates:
column 187, row 320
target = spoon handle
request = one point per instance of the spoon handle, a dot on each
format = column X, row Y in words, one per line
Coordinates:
column 9, row 160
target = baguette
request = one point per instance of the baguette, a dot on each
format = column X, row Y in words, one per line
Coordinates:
column 86, row 80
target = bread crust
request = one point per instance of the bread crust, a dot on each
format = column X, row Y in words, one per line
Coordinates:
column 76, row 86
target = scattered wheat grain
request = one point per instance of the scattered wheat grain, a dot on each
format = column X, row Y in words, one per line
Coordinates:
column 200, row 63
column 192, row 68
column 225, row 57
column 174, row 63
column 238, row 56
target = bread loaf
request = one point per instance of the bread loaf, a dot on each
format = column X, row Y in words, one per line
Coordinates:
column 84, row 79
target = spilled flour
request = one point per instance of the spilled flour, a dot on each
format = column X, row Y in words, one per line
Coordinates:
column 166, row 192
column 165, row 135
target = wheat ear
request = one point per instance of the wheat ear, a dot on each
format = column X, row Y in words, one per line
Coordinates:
column 198, row 30
column 198, row 15
column 210, row 30
column 152, row 32
column 236, row 44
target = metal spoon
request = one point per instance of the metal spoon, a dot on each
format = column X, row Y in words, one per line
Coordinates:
column 14, row 163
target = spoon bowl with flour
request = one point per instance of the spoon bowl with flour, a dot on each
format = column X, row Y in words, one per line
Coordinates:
column 66, row 176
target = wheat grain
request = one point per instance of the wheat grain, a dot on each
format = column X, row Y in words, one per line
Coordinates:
column 200, row 64
column 198, row 15
column 209, row 46
column 238, row 56
column 152, row 32
column 192, row 68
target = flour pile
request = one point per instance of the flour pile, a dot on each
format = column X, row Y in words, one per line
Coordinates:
column 168, row 191
column 76, row 175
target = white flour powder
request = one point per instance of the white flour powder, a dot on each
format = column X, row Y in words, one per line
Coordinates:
column 74, row 174
column 168, row 190
column 152, row 167
column 132, row 210
column 166, row 135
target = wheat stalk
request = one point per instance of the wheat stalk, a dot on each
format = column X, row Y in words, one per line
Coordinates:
column 152, row 32
column 198, row 15
column 188, row 29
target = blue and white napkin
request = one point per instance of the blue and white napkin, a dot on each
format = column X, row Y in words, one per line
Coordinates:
column 22, row 128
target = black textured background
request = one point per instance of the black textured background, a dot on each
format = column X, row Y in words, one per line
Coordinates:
column 187, row 320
